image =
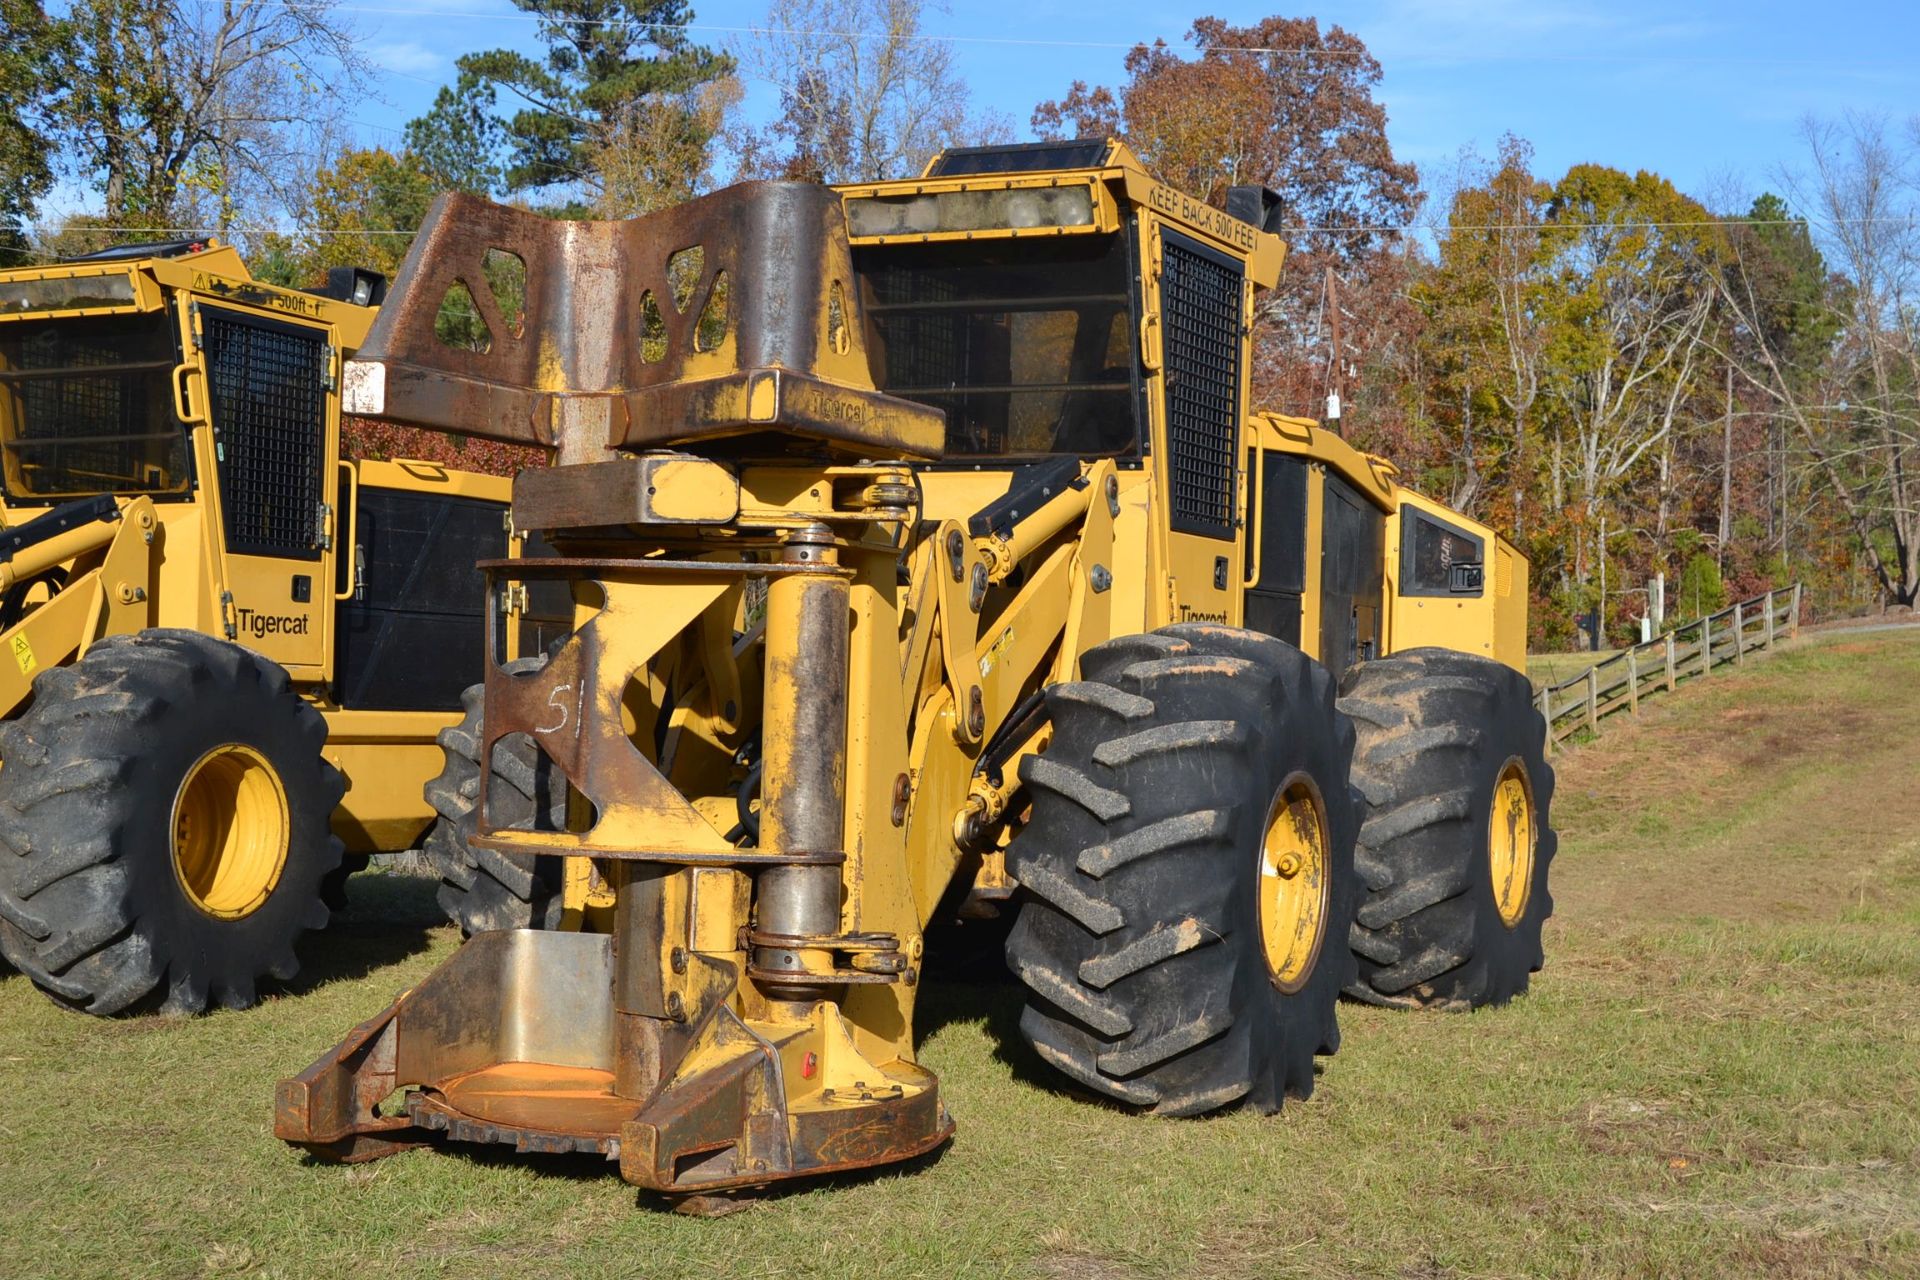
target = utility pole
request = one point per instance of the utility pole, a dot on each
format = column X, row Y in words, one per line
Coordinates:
column 1600, row 614
column 1335, row 358
column 1726, row 474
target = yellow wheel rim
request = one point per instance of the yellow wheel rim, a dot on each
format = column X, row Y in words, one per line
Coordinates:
column 230, row 831
column 1511, row 834
column 1294, row 882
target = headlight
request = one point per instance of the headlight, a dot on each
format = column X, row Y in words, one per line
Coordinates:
column 1023, row 208
column 65, row 293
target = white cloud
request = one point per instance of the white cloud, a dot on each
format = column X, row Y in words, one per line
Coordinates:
column 409, row 57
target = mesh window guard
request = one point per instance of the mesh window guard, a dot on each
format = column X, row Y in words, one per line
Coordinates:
column 1200, row 294
column 269, row 416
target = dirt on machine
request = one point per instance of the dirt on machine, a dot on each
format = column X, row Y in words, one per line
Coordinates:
column 928, row 562
column 226, row 650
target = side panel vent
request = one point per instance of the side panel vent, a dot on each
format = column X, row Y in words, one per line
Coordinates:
column 269, row 397
column 1200, row 295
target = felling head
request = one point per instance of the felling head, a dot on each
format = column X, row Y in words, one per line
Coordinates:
column 722, row 323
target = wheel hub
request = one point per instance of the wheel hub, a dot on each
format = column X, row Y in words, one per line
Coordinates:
column 1295, row 882
column 1511, row 833
column 230, row 831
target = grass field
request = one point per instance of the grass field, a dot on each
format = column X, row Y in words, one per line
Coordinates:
column 1717, row 1074
column 1558, row 668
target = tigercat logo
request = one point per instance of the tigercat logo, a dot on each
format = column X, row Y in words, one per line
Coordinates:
column 260, row 625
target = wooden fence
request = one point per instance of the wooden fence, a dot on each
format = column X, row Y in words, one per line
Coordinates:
column 1646, row 670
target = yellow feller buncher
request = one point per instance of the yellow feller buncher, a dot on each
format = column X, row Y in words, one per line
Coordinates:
column 926, row 561
column 225, row 651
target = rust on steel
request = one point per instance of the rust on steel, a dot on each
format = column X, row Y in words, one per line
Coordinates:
column 601, row 355
column 514, row 1042
column 571, row 707
column 804, row 747
column 680, row 1061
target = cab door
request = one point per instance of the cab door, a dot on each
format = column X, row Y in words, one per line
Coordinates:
column 1197, row 302
column 272, row 418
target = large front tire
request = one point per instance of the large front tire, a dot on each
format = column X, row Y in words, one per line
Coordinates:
column 484, row 889
column 1455, row 841
column 164, row 826
column 1187, row 873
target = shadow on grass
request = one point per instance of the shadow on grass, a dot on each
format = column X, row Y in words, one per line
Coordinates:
column 993, row 999
column 388, row 918
column 583, row 1169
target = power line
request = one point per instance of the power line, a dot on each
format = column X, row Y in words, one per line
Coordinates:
column 1468, row 55
column 1409, row 228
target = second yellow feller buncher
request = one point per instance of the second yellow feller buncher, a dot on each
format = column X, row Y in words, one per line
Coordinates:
column 226, row 649
column 927, row 560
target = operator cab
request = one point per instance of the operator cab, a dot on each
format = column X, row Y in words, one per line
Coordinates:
column 92, row 357
column 1012, row 288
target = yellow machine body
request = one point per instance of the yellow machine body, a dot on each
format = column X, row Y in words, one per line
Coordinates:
column 174, row 497
column 816, row 603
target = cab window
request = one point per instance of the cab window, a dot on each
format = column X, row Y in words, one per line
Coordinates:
column 1438, row 559
column 1029, row 346
column 86, row 408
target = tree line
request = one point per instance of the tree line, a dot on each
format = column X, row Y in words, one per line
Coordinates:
column 1717, row 388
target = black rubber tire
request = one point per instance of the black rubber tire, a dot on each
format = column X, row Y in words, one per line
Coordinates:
column 91, row 907
column 484, row 889
column 1138, row 935
column 1436, row 729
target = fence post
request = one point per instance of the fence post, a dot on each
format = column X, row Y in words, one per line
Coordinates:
column 1770, row 612
column 1793, row 622
column 1546, row 713
column 1739, row 632
column 1633, row 683
column 1593, row 700
column 1706, row 645
column 1670, row 664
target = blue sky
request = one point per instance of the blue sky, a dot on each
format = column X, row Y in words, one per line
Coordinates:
column 1708, row 95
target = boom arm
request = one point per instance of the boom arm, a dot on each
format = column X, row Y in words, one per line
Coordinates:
column 106, row 551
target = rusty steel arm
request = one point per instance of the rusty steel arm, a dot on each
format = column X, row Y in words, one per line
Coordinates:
column 734, row 315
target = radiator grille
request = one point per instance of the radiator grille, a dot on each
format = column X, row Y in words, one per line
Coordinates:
column 1200, row 300
column 269, row 416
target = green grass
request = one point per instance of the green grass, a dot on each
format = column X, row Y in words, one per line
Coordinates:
column 1718, row 1074
column 1558, row 668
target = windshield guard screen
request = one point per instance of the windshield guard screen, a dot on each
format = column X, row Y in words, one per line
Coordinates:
column 1028, row 345
column 86, row 407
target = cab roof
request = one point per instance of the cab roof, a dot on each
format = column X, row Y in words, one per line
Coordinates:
column 1107, row 164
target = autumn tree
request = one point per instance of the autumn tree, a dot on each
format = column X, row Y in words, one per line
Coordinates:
column 362, row 211
column 617, row 76
column 864, row 93
column 185, row 115
column 1784, row 314
column 1485, row 335
column 1286, row 105
column 1864, row 440
column 25, row 171
column 659, row 150
column 1628, row 308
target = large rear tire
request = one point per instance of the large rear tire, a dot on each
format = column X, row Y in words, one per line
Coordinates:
column 164, row 826
column 1187, row 873
column 484, row 889
column 1455, row 840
